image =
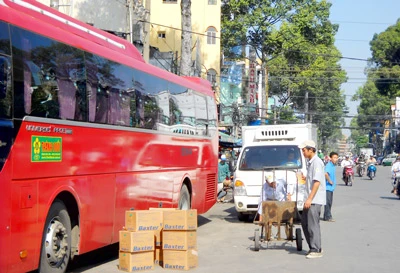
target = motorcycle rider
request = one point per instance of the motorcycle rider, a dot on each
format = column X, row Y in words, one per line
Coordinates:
column 371, row 160
column 346, row 162
column 359, row 161
column 395, row 169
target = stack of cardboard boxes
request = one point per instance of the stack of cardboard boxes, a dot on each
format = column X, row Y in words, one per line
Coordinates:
column 166, row 237
column 136, row 241
column 179, row 239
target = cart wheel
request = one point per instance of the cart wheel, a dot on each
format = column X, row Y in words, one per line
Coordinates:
column 299, row 240
column 256, row 240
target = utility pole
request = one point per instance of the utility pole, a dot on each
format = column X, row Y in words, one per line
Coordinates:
column 130, row 20
column 186, row 38
column 146, row 44
column 265, row 97
column 306, row 107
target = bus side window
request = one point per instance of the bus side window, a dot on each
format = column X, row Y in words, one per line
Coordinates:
column 5, row 87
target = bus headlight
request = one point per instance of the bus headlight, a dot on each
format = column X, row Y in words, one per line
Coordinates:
column 239, row 189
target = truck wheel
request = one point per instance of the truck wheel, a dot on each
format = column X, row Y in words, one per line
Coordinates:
column 184, row 199
column 56, row 241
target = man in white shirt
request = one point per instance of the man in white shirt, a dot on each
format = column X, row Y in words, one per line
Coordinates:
column 316, row 189
column 274, row 190
column 395, row 171
column 346, row 162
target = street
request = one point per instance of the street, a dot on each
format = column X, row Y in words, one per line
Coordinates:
column 364, row 237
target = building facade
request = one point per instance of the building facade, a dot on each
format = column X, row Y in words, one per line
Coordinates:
column 165, row 34
column 161, row 25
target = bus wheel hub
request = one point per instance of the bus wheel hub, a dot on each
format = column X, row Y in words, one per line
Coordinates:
column 56, row 243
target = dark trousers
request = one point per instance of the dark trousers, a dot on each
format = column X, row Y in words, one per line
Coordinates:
column 328, row 206
column 311, row 228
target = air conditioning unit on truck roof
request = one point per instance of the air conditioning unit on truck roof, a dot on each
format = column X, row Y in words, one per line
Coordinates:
column 289, row 132
column 267, row 147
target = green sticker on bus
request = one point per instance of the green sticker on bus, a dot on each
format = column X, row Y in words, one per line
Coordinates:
column 46, row 149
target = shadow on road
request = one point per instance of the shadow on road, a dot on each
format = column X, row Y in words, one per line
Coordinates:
column 201, row 220
column 287, row 245
column 390, row 197
column 94, row 258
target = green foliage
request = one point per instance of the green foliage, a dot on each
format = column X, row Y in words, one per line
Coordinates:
column 294, row 39
column 382, row 87
column 385, row 69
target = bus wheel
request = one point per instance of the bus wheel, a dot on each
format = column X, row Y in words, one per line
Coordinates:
column 56, row 242
column 184, row 199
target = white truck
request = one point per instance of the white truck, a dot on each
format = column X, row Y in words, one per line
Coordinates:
column 264, row 148
column 367, row 152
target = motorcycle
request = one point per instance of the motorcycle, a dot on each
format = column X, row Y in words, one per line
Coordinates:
column 348, row 175
column 371, row 171
column 361, row 168
column 396, row 184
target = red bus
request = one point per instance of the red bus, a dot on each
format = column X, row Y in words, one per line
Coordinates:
column 88, row 130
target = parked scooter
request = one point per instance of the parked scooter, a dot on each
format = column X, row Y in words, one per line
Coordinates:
column 361, row 168
column 348, row 175
column 371, row 171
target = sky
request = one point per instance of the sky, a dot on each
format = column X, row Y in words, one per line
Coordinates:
column 358, row 21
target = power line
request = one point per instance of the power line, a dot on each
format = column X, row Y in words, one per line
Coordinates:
column 175, row 28
column 362, row 23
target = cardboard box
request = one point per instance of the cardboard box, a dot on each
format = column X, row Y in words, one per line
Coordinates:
column 138, row 241
column 163, row 209
column 158, row 237
column 143, row 220
column 180, row 260
column 158, row 233
column 158, row 256
column 130, row 262
column 180, row 219
column 179, row 239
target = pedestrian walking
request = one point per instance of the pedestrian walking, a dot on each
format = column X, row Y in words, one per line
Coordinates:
column 330, row 177
column 316, row 198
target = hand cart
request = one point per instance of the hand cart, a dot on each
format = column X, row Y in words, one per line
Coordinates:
column 279, row 213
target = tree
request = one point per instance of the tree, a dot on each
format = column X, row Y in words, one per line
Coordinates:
column 382, row 87
column 256, row 23
column 186, row 55
column 294, row 40
column 385, row 61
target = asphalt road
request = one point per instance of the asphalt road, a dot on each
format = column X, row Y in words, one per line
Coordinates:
column 364, row 238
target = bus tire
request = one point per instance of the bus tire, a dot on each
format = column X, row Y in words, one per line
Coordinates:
column 56, row 242
column 184, row 199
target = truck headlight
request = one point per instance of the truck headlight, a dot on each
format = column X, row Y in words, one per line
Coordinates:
column 239, row 189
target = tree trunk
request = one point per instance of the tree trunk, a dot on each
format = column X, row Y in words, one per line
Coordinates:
column 186, row 51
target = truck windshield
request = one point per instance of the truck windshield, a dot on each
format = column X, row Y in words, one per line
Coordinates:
column 259, row 157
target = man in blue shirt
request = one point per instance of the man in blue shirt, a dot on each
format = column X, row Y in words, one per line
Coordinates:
column 223, row 178
column 330, row 179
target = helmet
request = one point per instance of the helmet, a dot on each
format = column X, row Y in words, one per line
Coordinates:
column 223, row 157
